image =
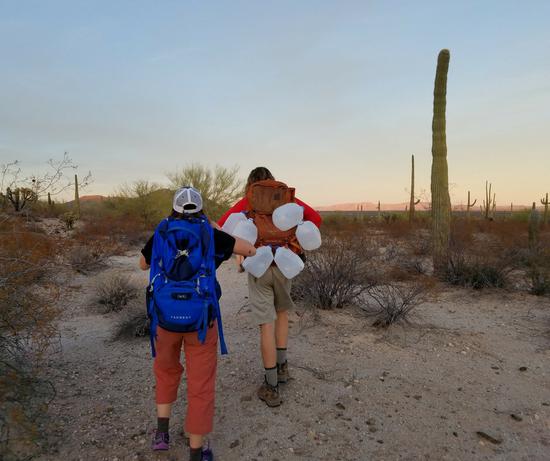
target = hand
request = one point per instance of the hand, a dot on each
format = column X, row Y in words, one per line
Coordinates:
column 239, row 260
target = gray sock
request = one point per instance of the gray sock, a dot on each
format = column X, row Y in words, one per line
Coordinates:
column 281, row 355
column 271, row 376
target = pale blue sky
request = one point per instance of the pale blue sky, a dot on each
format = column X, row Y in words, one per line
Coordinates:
column 332, row 96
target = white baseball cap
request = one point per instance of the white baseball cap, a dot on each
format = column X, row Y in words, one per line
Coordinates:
column 187, row 200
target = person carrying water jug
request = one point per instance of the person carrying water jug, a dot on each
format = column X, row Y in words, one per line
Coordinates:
column 183, row 305
column 269, row 294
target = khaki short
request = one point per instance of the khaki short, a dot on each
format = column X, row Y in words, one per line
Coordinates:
column 268, row 294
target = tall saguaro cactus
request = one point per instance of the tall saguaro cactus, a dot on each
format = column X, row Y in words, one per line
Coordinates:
column 545, row 216
column 412, row 202
column 533, row 227
column 76, row 197
column 441, row 201
column 489, row 202
column 469, row 205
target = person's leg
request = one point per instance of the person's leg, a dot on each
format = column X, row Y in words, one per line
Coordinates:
column 201, row 362
column 167, row 369
column 283, row 302
column 261, row 298
column 268, row 345
column 281, row 329
column 269, row 353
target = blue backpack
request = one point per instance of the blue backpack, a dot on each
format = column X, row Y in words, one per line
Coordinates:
column 183, row 293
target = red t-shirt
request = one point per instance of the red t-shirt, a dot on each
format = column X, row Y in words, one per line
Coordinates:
column 242, row 205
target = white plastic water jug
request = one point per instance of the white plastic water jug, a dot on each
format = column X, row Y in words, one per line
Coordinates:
column 260, row 262
column 287, row 216
column 232, row 221
column 246, row 230
column 288, row 262
column 308, row 236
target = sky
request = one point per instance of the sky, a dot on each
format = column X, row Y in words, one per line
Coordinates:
column 332, row 96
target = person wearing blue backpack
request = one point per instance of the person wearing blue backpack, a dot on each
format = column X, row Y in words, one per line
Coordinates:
column 183, row 306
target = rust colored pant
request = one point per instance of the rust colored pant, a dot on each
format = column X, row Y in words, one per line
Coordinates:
column 200, row 363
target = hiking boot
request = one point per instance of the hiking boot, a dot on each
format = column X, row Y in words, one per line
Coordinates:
column 269, row 394
column 161, row 441
column 207, row 455
column 282, row 373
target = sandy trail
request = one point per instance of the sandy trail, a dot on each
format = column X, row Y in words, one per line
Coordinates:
column 419, row 392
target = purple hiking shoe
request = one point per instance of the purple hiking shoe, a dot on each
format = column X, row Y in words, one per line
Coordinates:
column 207, row 455
column 161, row 441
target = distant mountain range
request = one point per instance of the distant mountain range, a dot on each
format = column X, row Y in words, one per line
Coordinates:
column 369, row 206
column 356, row 206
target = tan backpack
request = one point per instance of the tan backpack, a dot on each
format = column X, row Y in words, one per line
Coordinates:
column 263, row 198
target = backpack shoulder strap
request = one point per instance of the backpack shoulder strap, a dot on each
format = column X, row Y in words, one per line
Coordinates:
column 211, row 271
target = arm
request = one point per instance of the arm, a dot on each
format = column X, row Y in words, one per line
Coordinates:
column 243, row 248
column 241, row 205
column 310, row 214
column 142, row 263
column 145, row 257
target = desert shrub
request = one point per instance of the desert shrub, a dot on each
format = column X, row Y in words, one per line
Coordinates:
column 28, row 311
column 537, row 261
column 115, row 291
column 86, row 258
column 539, row 281
column 484, row 253
column 337, row 274
column 419, row 242
column 147, row 201
column 220, row 187
column 477, row 271
column 115, row 234
column 342, row 224
column 69, row 219
column 393, row 302
column 135, row 325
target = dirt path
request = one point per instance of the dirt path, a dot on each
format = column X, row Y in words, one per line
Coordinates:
column 427, row 391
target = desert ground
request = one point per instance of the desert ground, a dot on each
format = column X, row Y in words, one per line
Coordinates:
column 467, row 379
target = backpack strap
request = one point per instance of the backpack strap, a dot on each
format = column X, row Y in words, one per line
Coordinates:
column 211, row 268
column 153, row 317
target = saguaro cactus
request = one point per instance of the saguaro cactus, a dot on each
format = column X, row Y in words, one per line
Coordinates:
column 545, row 216
column 489, row 202
column 76, row 197
column 441, row 201
column 469, row 205
column 412, row 202
column 379, row 211
column 533, row 227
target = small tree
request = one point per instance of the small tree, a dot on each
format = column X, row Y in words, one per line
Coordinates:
column 139, row 197
column 219, row 187
column 21, row 190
